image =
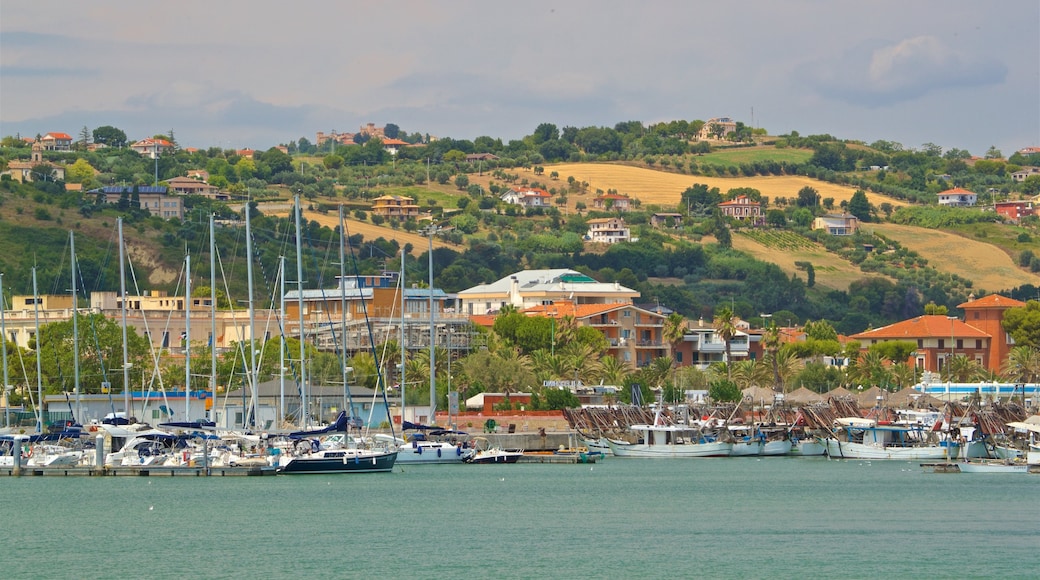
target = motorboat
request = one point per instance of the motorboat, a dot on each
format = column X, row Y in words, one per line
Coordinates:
column 857, row 438
column 662, row 440
column 992, row 467
column 484, row 452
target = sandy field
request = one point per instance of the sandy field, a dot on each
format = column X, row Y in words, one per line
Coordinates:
column 371, row 231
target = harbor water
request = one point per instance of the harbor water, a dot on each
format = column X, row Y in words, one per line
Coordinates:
column 619, row 518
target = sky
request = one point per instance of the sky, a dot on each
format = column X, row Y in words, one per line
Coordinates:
column 237, row 74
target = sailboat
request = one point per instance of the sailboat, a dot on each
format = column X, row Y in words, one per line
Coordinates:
column 328, row 450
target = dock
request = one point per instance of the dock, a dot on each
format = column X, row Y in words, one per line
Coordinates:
column 146, row 471
column 558, row 458
column 941, row 467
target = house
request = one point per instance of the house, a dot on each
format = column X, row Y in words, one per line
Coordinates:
column 612, row 202
column 341, row 138
column 635, row 335
column 198, row 174
column 720, row 126
column 837, row 225
column 1020, row 176
column 957, row 197
column 153, row 198
column 189, row 186
column 701, row 345
column 1015, row 210
column 527, row 197
column 937, row 337
column 530, row 288
column 608, row 231
column 152, row 148
column 392, row 146
column 246, row 153
column 22, row 171
column 666, row 220
column 56, row 142
column 986, row 314
column 395, row 206
column 477, row 157
column 1027, row 151
column 741, row 207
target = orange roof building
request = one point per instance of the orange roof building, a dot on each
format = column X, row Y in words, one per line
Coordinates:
column 986, row 314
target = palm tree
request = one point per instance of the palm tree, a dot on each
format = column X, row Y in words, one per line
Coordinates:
column 1022, row 364
column 771, row 342
column 786, row 366
column 674, row 330
column 959, row 368
column 581, row 361
column 903, row 374
column 614, row 371
column 726, row 330
column 743, row 373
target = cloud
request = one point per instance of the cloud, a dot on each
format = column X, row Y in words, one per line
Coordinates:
column 874, row 74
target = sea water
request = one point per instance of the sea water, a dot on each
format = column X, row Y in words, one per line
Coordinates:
column 620, row 518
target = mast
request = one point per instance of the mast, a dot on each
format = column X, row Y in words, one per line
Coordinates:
column 281, row 346
column 39, row 369
column 304, row 403
column 75, row 330
column 252, row 320
column 213, row 320
column 122, row 308
column 401, row 377
column 343, row 311
column 433, row 342
column 3, row 331
column 187, row 337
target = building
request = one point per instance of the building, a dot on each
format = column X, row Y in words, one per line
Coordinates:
column 477, row 157
column 741, row 208
column 717, row 128
column 701, row 345
column 56, row 142
column 958, row 197
column 373, row 313
column 152, row 148
column 530, row 288
column 395, row 207
column 1015, row 210
column 608, row 231
column 152, row 198
column 198, row 174
column 527, row 197
column 666, row 220
column 986, row 314
column 938, row 338
column 189, row 186
column 837, row 224
column 392, row 146
column 612, row 202
column 1020, row 176
column 22, row 171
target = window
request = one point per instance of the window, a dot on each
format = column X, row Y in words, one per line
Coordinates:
column 678, row 357
column 960, row 344
column 942, row 343
column 975, row 315
column 627, row 314
column 920, row 343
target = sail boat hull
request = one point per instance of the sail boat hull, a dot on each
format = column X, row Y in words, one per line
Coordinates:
column 340, row 461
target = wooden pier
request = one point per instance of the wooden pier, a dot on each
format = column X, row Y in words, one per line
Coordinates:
column 558, row 458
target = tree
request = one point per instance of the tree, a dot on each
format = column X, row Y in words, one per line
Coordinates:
column 776, row 218
column 84, row 138
column 109, row 136
column 726, row 330
column 391, row 131
column 1022, row 365
column 461, row 181
column 808, row 197
column 894, row 351
column 1023, row 324
column 79, row 172
column 859, row 206
column 724, row 391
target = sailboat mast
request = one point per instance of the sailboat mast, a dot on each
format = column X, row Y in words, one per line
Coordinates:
column 304, row 403
column 253, row 344
column 433, row 342
column 122, row 308
column 3, row 331
column 213, row 320
column 401, row 377
column 343, row 310
column 281, row 346
column 187, row 337
column 39, row 368
column 75, row 330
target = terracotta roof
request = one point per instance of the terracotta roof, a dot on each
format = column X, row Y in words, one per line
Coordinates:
column 992, row 301
column 389, row 141
column 934, row 326
column 485, row 320
column 957, row 191
column 64, row 136
column 561, row 309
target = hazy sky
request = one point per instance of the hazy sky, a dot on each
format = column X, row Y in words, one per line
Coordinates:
column 232, row 73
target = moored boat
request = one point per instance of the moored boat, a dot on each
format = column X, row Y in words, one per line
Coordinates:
column 992, row 467
column 857, row 438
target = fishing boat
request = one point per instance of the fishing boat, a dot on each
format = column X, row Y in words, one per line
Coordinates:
column 661, row 440
column 487, row 453
column 430, row 446
column 856, row 438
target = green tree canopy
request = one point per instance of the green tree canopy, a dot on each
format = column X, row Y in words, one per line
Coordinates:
column 1023, row 324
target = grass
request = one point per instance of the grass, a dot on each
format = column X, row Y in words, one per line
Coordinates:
column 786, row 248
column 740, row 155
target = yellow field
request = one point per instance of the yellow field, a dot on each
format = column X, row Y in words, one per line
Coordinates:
column 371, row 231
column 663, row 188
column 990, row 268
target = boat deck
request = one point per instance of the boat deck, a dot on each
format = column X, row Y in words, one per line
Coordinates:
column 138, row 471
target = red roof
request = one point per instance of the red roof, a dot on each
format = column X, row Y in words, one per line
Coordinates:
column 578, row 311
column 957, row 191
column 535, row 192
column 992, row 301
column 396, row 142
column 485, row 320
column 62, row 136
column 934, row 326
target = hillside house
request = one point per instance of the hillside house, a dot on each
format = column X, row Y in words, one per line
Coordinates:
column 720, row 126
column 396, row 207
column 612, row 202
column 1015, row 210
column 155, row 199
column 152, row 148
column 837, row 224
column 1020, row 176
column 666, row 220
column 56, row 142
column 529, row 288
column 958, row 197
column 189, row 186
column 22, row 171
column 392, row 146
column 527, row 197
column 742, row 208
column 477, row 157
column 608, row 231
